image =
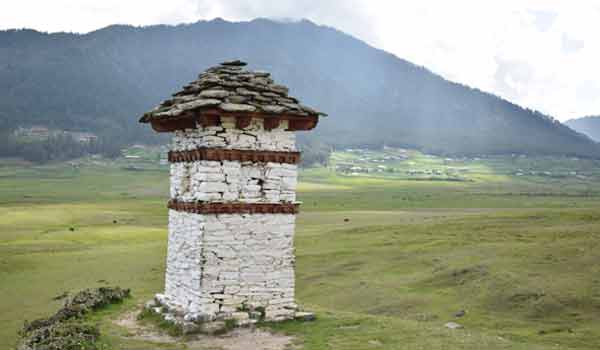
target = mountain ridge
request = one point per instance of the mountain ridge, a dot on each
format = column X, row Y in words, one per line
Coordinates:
column 105, row 79
column 588, row 125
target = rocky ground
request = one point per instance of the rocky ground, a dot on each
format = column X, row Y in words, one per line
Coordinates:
column 237, row 339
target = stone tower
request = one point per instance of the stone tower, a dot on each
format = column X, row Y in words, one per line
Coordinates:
column 233, row 193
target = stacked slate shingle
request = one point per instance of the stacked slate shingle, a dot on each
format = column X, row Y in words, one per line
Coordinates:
column 230, row 88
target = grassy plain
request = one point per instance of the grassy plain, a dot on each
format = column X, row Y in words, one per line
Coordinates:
column 385, row 258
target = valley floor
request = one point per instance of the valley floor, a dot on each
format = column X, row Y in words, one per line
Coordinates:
column 385, row 261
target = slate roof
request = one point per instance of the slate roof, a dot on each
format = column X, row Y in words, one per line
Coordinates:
column 230, row 88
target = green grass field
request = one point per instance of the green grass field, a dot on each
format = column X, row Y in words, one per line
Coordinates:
column 384, row 258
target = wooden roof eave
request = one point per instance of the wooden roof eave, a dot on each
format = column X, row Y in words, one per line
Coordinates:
column 212, row 117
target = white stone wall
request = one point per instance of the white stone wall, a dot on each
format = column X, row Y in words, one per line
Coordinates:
column 226, row 181
column 184, row 251
column 217, row 263
column 254, row 137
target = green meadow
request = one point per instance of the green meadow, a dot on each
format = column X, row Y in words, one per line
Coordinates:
column 387, row 252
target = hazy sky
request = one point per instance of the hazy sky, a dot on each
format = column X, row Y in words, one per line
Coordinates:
column 543, row 54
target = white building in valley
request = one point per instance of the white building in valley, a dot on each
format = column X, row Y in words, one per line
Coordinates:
column 233, row 194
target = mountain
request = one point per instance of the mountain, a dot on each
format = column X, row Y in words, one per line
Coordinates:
column 104, row 80
column 589, row 126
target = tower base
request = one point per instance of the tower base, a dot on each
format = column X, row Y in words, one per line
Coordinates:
column 219, row 264
column 219, row 323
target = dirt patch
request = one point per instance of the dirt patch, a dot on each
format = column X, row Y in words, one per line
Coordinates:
column 245, row 338
column 237, row 339
column 137, row 331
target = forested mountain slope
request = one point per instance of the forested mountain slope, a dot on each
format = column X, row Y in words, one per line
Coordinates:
column 103, row 81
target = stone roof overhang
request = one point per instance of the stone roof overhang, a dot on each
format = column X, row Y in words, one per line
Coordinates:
column 230, row 91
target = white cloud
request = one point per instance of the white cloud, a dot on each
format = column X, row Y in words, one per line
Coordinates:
column 543, row 19
column 540, row 54
column 570, row 45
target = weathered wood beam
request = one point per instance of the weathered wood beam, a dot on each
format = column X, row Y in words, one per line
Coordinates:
column 271, row 123
column 220, row 154
column 233, row 207
column 210, row 120
column 212, row 117
column 242, row 122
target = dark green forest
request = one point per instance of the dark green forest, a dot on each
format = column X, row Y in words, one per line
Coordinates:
column 105, row 80
column 57, row 147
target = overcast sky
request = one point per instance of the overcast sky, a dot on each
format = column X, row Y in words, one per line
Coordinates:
column 543, row 54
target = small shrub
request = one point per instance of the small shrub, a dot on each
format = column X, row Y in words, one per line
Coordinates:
column 244, row 308
column 169, row 327
column 64, row 330
column 262, row 311
column 146, row 314
column 64, row 336
column 229, row 325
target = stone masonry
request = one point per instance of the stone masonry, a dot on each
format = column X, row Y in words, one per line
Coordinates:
column 232, row 216
column 217, row 263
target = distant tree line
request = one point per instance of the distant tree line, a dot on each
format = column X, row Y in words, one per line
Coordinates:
column 57, row 147
column 314, row 152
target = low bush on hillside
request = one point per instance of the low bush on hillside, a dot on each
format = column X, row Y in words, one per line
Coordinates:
column 66, row 329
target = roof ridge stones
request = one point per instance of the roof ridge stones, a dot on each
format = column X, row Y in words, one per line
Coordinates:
column 230, row 88
column 234, row 63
